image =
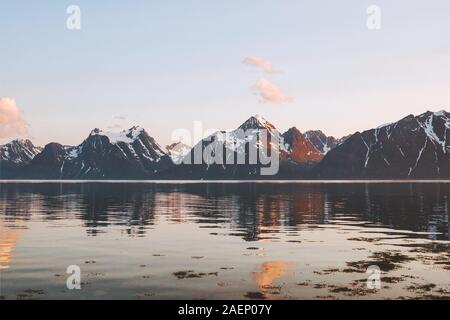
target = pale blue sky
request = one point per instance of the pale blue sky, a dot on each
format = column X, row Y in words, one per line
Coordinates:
column 165, row 64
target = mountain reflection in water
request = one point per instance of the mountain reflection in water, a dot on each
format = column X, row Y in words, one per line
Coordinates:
column 250, row 209
column 224, row 241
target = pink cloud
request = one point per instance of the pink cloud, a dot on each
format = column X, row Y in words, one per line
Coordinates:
column 259, row 62
column 11, row 119
column 270, row 92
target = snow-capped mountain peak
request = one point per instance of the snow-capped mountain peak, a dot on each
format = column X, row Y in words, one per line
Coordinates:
column 257, row 122
column 415, row 147
column 435, row 125
column 95, row 131
column 442, row 113
column 129, row 152
column 19, row 151
column 127, row 136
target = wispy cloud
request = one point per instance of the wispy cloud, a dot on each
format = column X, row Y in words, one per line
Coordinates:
column 12, row 121
column 259, row 62
column 270, row 92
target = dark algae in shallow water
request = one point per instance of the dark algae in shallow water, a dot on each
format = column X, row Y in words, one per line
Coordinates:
column 386, row 261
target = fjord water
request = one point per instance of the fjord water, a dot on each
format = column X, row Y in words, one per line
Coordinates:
column 224, row 240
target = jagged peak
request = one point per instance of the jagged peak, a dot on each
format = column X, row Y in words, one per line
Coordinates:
column 257, row 122
column 318, row 134
column 21, row 142
column 19, row 150
column 293, row 130
column 314, row 131
column 95, row 131
column 439, row 113
column 412, row 117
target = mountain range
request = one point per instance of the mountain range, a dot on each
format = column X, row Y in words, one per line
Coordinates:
column 415, row 147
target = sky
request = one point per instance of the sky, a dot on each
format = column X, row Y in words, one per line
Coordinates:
column 165, row 64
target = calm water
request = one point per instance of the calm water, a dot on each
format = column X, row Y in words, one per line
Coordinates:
column 222, row 241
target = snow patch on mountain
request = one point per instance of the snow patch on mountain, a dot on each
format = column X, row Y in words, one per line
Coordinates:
column 322, row 142
column 19, row 151
column 127, row 136
column 413, row 147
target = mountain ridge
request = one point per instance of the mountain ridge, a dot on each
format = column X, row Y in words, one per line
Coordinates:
column 414, row 147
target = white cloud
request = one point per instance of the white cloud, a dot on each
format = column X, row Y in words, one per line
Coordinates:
column 270, row 92
column 259, row 62
column 11, row 119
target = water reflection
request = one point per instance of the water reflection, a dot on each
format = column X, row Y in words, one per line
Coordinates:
column 8, row 240
column 266, row 277
column 248, row 210
column 183, row 241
